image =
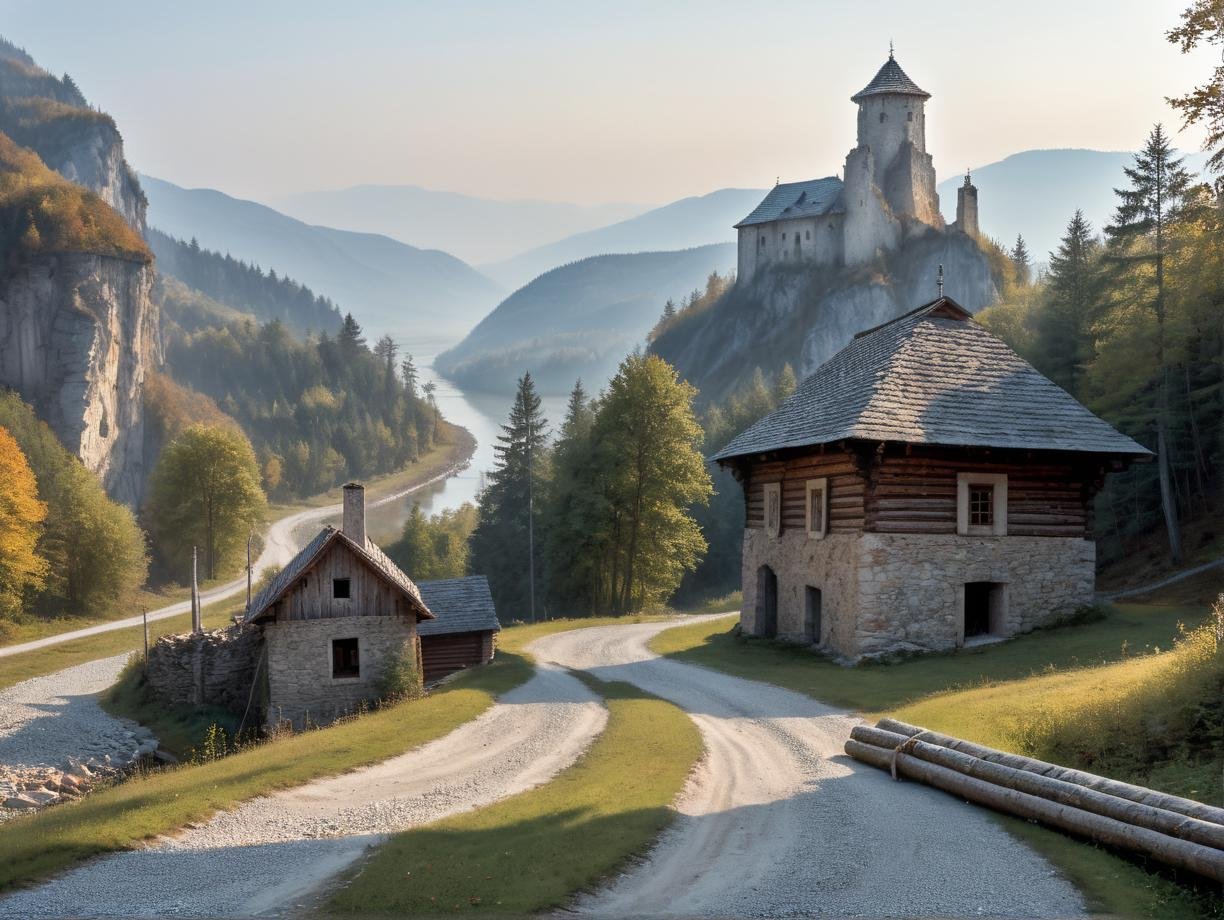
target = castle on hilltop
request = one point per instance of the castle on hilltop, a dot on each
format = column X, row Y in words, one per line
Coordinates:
column 888, row 191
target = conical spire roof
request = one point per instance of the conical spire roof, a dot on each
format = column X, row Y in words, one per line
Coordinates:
column 890, row 79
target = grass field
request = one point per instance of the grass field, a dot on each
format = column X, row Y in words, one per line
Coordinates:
column 535, row 850
column 996, row 695
column 143, row 807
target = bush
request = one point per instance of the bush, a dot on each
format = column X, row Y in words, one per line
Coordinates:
column 401, row 680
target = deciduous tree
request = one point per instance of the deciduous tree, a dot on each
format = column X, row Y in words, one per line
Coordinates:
column 22, row 569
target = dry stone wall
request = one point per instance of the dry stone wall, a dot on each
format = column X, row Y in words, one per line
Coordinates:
column 214, row 668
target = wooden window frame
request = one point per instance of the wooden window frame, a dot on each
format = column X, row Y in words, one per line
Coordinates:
column 998, row 484
column 822, row 486
column 775, row 489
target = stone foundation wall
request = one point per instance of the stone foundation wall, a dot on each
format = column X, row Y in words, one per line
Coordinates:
column 213, row 668
column 301, row 688
column 911, row 586
column 799, row 561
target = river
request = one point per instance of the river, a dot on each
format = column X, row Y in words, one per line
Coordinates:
column 480, row 413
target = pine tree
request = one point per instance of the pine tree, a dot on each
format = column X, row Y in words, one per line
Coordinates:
column 409, row 372
column 1138, row 240
column 1064, row 337
column 502, row 545
column 350, row 337
column 785, row 385
column 1022, row 264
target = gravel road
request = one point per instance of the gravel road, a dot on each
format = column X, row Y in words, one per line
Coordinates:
column 778, row 822
column 46, row 720
column 271, row 852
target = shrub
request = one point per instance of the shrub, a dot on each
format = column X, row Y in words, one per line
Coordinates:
column 401, row 680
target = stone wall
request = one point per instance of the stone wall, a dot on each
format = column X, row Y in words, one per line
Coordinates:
column 301, row 688
column 213, row 668
column 829, row 564
column 911, row 586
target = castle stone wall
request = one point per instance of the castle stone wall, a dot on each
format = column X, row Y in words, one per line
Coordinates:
column 300, row 683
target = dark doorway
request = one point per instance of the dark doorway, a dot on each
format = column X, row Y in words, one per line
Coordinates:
column 811, row 615
column 766, row 602
column 983, row 608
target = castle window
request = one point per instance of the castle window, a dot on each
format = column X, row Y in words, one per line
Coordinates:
column 882, row 117
column 762, row 239
column 981, row 504
column 909, row 116
column 807, row 234
column 784, row 236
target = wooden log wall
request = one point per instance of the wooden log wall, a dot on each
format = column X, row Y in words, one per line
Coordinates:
column 895, row 491
column 845, row 484
column 310, row 598
column 445, row 654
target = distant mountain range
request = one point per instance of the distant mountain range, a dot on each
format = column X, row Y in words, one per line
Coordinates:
column 683, row 224
column 389, row 286
column 579, row 320
column 473, row 229
column 1036, row 192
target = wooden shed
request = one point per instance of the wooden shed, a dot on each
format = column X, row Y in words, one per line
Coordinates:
column 464, row 629
column 924, row 489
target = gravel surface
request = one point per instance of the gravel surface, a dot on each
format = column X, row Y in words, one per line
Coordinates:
column 270, row 853
column 46, row 720
column 778, row 822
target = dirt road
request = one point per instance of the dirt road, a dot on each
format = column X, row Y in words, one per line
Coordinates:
column 778, row 821
column 270, row 852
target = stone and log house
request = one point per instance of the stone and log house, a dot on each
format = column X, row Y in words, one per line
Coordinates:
column 924, row 489
column 319, row 641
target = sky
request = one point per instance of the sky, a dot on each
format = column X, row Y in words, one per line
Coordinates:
column 591, row 102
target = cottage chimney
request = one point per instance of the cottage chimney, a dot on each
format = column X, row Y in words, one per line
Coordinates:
column 353, row 525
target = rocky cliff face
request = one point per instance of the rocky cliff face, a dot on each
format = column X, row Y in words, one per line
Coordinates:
column 77, row 334
column 95, row 160
column 804, row 315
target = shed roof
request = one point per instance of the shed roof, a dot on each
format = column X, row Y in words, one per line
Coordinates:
column 932, row 376
column 890, row 79
column 459, row 605
column 302, row 562
column 787, row 200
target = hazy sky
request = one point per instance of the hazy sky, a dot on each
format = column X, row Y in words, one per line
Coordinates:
column 592, row 101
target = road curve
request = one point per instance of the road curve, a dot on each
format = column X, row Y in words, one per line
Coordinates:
column 777, row 821
column 269, row 853
column 280, row 545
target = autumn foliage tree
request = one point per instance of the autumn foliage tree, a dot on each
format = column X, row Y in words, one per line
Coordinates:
column 22, row 569
column 204, row 492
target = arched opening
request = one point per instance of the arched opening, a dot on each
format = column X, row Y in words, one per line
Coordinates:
column 798, row 251
column 766, row 602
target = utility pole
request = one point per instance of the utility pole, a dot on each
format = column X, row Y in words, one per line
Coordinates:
column 144, row 616
column 530, row 523
column 196, row 624
column 248, row 606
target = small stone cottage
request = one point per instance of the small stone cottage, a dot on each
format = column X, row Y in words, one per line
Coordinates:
column 318, row 641
column 924, row 489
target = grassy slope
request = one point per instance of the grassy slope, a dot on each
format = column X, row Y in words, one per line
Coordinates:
column 533, row 851
column 144, row 807
column 983, row 694
column 33, row 664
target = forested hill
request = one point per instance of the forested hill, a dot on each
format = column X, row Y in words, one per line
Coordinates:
column 243, row 287
column 388, row 285
column 579, row 320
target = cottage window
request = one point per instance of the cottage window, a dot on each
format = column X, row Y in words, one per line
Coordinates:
column 346, row 658
column 773, row 508
column 981, row 504
column 817, row 507
column 341, row 589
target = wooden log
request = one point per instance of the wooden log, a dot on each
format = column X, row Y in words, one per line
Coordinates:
column 1187, row 807
column 1205, row 861
column 1156, row 819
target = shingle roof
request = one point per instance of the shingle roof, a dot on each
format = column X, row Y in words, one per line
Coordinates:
column 311, row 551
column 459, row 605
column 797, row 199
column 932, row 376
column 890, row 79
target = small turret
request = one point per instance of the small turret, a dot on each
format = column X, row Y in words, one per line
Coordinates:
column 967, row 207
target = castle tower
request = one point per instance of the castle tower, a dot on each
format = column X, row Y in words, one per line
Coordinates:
column 967, row 207
column 892, row 125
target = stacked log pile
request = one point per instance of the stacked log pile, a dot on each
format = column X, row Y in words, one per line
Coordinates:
column 1175, row 831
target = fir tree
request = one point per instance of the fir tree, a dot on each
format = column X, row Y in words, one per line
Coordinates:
column 1064, row 339
column 1021, row 262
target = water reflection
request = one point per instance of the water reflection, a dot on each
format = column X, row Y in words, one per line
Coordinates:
column 480, row 413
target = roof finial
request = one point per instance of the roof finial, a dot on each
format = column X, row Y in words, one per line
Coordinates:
column 890, row 49
column 939, row 280
column 967, row 177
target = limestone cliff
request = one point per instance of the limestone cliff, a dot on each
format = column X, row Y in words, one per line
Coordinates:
column 77, row 333
column 804, row 314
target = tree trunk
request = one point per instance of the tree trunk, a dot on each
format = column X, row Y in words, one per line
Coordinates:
column 1167, row 502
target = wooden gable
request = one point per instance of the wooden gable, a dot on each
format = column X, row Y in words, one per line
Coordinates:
column 312, row 594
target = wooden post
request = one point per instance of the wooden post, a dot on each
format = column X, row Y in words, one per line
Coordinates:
column 196, row 624
column 144, row 616
column 248, row 603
